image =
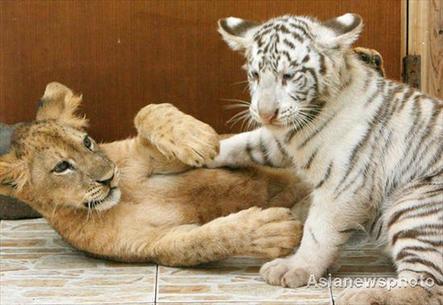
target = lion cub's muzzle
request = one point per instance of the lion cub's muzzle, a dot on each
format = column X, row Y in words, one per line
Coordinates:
column 105, row 192
column 107, row 181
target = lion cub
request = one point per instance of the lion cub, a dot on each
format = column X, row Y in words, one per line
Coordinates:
column 139, row 200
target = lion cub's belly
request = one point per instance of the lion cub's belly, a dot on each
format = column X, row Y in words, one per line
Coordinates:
column 201, row 195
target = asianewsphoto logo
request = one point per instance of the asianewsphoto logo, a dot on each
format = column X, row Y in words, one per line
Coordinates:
column 362, row 282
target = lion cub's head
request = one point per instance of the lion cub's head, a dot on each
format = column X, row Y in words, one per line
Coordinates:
column 52, row 160
column 371, row 57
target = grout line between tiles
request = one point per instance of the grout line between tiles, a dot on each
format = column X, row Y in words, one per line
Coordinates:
column 156, row 284
column 243, row 302
column 94, row 303
column 331, row 296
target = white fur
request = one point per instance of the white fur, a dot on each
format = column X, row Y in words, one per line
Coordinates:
column 353, row 107
column 346, row 19
column 233, row 21
column 236, row 42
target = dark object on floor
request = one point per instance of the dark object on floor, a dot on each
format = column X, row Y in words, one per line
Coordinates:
column 11, row 208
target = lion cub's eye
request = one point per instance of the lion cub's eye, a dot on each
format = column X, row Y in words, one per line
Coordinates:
column 88, row 143
column 365, row 57
column 62, row 167
column 377, row 60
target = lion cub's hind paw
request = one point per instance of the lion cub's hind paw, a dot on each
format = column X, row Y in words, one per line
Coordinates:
column 361, row 296
column 401, row 295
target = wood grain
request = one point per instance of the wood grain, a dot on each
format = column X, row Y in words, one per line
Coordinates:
column 434, row 78
column 425, row 37
column 125, row 54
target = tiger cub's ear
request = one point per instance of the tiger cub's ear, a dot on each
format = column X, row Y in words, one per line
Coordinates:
column 346, row 29
column 237, row 32
column 61, row 104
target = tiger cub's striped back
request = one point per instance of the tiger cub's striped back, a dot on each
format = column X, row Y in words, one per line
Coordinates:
column 371, row 148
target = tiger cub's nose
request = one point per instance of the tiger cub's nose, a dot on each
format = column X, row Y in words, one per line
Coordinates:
column 268, row 117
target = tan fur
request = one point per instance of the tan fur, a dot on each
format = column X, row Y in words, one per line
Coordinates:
column 403, row 295
column 372, row 58
column 168, row 213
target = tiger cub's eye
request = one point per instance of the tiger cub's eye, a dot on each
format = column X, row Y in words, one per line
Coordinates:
column 288, row 76
column 254, row 75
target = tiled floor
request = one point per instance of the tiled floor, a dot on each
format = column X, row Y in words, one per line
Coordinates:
column 37, row 267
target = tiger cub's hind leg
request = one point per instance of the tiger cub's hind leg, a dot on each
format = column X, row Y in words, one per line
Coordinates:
column 414, row 225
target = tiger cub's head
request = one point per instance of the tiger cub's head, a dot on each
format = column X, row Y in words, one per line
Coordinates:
column 294, row 63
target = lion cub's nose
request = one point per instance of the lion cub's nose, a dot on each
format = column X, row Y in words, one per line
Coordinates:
column 106, row 182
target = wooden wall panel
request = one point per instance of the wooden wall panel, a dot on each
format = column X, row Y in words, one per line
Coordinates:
column 425, row 35
column 125, row 54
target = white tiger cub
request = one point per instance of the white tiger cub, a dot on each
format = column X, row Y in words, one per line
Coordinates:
column 371, row 148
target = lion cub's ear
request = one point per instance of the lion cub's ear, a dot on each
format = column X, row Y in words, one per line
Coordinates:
column 60, row 103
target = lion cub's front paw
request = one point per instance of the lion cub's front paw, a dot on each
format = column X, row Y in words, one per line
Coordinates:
column 177, row 135
column 271, row 233
column 198, row 144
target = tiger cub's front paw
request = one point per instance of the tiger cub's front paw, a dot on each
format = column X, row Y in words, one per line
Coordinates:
column 178, row 135
column 286, row 272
